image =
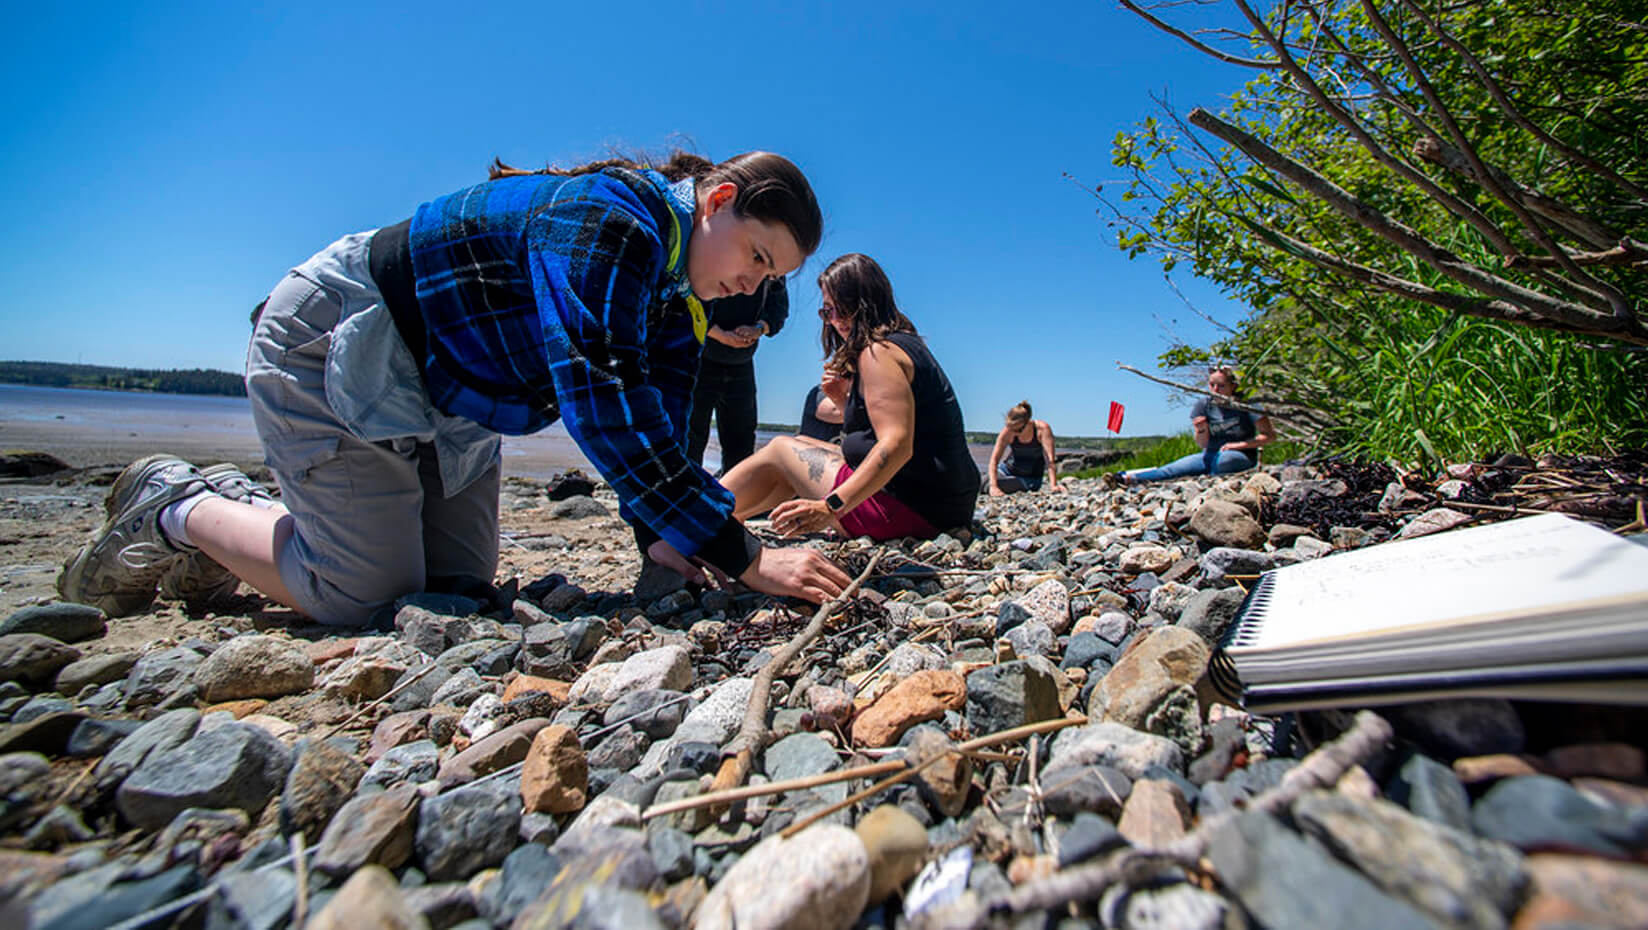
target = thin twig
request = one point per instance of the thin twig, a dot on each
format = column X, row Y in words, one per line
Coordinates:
column 300, row 868
column 1320, row 769
column 379, row 700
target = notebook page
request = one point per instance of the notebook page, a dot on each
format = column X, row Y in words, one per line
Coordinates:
column 1531, row 565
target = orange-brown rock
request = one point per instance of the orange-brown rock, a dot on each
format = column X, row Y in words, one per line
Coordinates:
column 396, row 729
column 924, row 696
column 1155, row 814
column 239, row 708
column 505, row 747
column 323, row 651
column 1606, row 893
column 1474, row 769
column 528, row 683
column 554, row 776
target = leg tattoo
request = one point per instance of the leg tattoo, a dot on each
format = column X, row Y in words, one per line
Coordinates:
column 816, row 460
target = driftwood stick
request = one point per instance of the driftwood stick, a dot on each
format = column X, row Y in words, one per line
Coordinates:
column 1320, row 769
column 730, row 795
column 753, row 734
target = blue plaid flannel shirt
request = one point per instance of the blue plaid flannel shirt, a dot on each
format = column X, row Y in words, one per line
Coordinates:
column 545, row 297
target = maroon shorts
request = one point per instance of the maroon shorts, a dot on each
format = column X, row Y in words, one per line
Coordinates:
column 883, row 516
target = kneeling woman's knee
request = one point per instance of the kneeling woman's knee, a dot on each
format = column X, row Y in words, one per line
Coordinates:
column 334, row 594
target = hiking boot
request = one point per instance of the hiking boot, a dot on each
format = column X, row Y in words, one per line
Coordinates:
column 119, row 569
column 197, row 578
column 1111, row 480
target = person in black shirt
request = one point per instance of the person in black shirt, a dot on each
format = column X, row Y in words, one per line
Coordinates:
column 726, row 375
column 1230, row 437
column 904, row 468
column 821, row 412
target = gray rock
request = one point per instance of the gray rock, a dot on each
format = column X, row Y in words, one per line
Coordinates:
column 157, row 737
column 373, row 828
column 254, row 667
column 1049, row 602
column 94, row 670
column 1209, row 613
column 578, row 508
column 1219, row 563
column 1011, row 694
column 1460, row 727
column 655, row 712
column 1098, row 789
column 909, row 658
column 1221, row 523
column 161, row 675
column 95, row 737
column 671, row 852
column 413, row 762
column 664, row 668
column 1127, row 750
column 57, row 827
column 319, row 783
column 22, row 784
column 1431, row 790
column 423, row 629
column 416, row 695
column 1084, row 649
column 817, row 880
column 254, row 901
column 1168, row 599
column 1460, row 880
column 1089, row 835
column 460, row 690
column 525, row 873
column 33, row 659
column 1538, row 812
column 125, row 900
column 39, row 706
column 1010, row 615
column 1238, row 786
column 235, row 765
column 1032, row 639
column 443, row 904
column 62, row 621
column 1113, row 625
column 1285, row 882
column 799, row 755
column 466, row 830
column 620, row 749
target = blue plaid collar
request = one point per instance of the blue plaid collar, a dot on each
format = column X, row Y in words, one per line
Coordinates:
column 682, row 198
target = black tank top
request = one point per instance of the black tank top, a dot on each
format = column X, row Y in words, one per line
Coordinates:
column 1026, row 459
column 811, row 425
column 941, row 480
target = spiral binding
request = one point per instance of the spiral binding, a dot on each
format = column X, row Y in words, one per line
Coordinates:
column 1243, row 631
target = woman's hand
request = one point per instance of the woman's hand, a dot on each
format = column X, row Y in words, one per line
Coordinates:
column 800, row 516
column 996, row 491
column 835, row 386
column 796, row 572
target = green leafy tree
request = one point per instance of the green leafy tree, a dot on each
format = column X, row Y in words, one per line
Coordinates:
column 1436, row 213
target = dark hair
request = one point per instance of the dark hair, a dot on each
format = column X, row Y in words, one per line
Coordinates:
column 771, row 189
column 1020, row 413
column 862, row 294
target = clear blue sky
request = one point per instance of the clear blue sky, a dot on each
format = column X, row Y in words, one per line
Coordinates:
column 165, row 163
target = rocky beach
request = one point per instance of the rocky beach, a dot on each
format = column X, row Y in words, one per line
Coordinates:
column 1008, row 726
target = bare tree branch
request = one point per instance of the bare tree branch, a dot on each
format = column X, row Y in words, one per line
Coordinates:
column 1484, row 177
column 1628, row 254
column 1510, row 109
column 1439, row 153
column 1580, row 318
column 1196, row 43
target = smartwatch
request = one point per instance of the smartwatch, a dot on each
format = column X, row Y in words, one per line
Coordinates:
column 834, row 502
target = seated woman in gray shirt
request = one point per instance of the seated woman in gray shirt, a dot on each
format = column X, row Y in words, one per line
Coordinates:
column 1230, row 438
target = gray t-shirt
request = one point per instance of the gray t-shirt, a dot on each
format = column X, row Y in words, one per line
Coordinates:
column 1227, row 424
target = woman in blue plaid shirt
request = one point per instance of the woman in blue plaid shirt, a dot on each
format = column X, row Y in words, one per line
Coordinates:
column 382, row 371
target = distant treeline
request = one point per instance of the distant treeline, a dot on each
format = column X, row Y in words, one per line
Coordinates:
column 103, row 378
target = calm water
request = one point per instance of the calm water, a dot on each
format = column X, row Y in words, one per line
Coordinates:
column 131, row 424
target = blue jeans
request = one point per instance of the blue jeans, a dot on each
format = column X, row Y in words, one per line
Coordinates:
column 1230, row 460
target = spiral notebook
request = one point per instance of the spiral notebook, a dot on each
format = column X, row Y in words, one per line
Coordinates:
column 1544, row 607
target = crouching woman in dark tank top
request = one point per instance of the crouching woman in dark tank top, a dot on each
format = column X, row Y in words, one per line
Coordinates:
column 903, row 468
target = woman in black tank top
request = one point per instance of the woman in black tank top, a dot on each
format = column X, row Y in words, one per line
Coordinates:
column 903, row 468
column 1023, row 450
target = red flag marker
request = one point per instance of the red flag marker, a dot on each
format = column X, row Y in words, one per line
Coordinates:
column 1115, row 423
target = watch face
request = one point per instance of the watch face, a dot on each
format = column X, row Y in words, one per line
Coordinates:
column 833, row 502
